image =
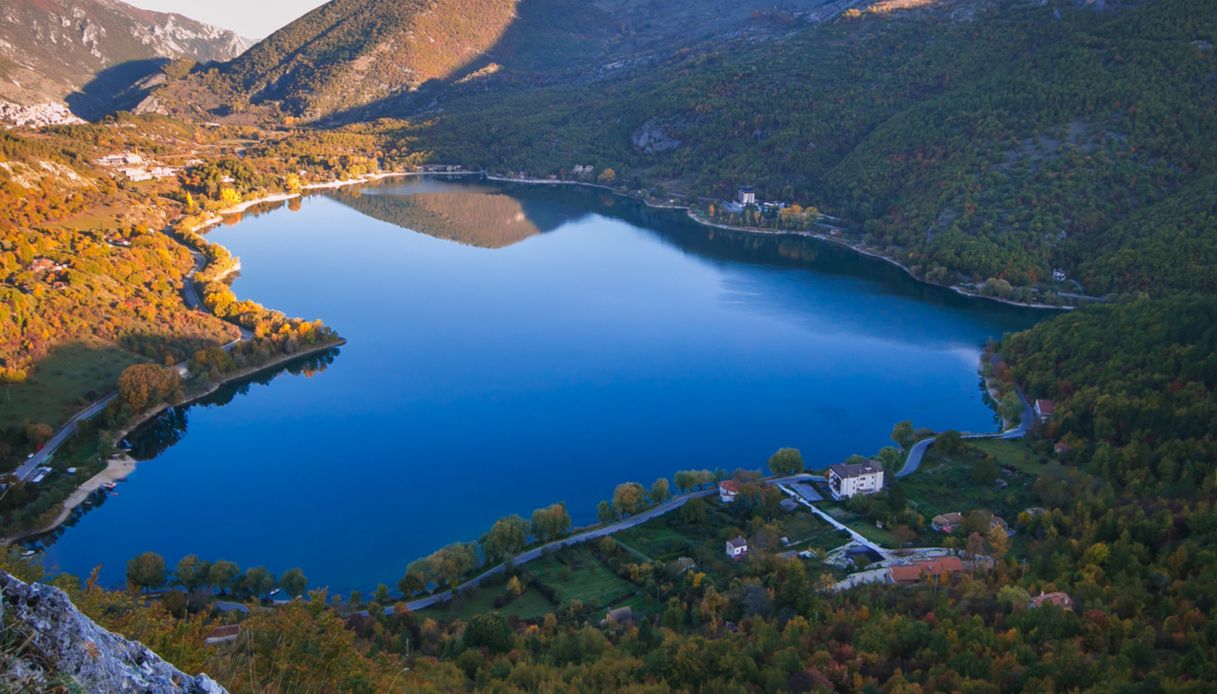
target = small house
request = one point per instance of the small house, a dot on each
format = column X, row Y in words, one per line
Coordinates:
column 1061, row 600
column 746, row 196
column 920, row 570
column 727, row 491
column 1044, row 409
column 947, row 523
column 849, row 480
column 224, row 634
column 737, row 548
column 622, row 615
column 1059, row 275
column 684, row 564
column 1062, row 449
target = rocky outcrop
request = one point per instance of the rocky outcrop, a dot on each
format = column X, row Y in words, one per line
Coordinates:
column 65, row 645
column 653, row 138
column 85, row 52
column 36, row 115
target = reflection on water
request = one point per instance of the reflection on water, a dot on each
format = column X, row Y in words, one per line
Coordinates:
column 472, row 216
column 600, row 342
column 158, row 435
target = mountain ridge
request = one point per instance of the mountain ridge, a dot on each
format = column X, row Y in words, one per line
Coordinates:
column 89, row 53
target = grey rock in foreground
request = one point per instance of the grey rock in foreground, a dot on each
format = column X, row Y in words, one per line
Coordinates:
column 96, row 659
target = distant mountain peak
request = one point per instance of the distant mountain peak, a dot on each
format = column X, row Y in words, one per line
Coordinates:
column 84, row 52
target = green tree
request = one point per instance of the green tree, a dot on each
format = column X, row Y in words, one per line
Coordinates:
column 604, row 512
column 491, row 631
column 293, row 582
column 191, row 572
column 551, row 522
column 146, row 571
column 786, row 462
column 258, row 581
column 949, row 442
column 506, row 538
column 984, row 471
column 222, row 574
column 903, row 434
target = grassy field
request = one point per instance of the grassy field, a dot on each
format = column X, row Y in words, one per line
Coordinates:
column 863, row 526
column 1016, row 454
column 945, row 484
column 530, row 605
column 576, row 574
column 66, row 381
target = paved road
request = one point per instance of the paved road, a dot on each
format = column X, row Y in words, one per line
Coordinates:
column 26, row 470
column 917, row 452
column 190, row 295
column 579, row 538
column 860, row 539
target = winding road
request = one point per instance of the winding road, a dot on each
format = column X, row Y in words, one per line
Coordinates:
column 917, row 452
column 190, row 296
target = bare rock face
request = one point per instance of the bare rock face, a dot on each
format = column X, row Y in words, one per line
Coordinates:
column 80, row 650
column 653, row 138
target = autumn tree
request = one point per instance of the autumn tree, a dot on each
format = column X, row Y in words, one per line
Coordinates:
column 660, row 491
column 551, row 522
column 629, row 498
column 146, row 571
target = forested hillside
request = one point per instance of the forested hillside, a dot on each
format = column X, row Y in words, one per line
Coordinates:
column 969, row 140
column 1135, row 389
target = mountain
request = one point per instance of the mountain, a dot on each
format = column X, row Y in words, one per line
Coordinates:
column 395, row 54
column 968, row 140
column 89, row 53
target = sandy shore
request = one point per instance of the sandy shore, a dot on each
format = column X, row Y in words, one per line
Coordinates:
column 116, row 469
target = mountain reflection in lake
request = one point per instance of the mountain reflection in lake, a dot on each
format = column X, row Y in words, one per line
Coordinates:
column 513, row 346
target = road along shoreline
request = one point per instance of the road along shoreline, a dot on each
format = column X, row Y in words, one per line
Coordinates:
column 120, row 467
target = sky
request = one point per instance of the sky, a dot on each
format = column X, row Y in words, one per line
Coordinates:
column 254, row 19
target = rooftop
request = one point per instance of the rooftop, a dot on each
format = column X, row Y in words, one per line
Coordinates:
column 870, row 467
column 910, row 573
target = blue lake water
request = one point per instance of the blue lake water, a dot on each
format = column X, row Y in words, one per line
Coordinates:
column 510, row 347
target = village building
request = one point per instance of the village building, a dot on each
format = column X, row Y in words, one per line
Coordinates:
column 1059, row 275
column 737, row 548
column 224, row 634
column 746, row 196
column 623, row 616
column 727, row 491
column 930, row 568
column 849, row 480
column 1044, row 409
column 1059, row 599
column 1062, row 449
column 684, row 564
column 947, row 523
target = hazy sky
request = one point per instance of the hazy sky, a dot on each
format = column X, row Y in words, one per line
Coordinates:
column 253, row 19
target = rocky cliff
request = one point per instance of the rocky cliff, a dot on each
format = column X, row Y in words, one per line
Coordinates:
column 47, row 644
column 84, row 52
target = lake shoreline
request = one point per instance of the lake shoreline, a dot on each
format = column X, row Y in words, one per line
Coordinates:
column 121, row 467
column 760, row 231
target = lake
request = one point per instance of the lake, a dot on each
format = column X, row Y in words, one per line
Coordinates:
column 514, row 346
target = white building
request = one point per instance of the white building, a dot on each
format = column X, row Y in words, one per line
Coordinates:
column 863, row 478
column 746, row 196
column 737, row 549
